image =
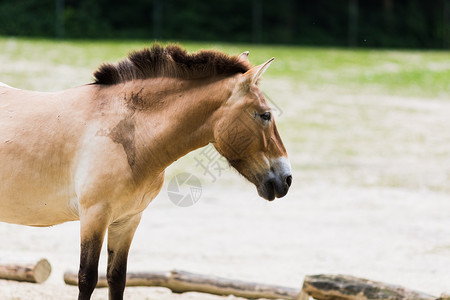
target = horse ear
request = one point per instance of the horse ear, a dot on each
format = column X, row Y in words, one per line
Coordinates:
column 244, row 56
column 255, row 73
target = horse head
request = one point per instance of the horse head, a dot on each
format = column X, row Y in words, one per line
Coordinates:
column 246, row 135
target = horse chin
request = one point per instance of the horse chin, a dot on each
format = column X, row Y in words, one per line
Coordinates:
column 273, row 188
column 266, row 191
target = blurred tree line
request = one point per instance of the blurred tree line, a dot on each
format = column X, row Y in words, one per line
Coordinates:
column 372, row 23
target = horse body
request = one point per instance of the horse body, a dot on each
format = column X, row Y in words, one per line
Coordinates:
column 97, row 153
column 37, row 149
column 77, row 144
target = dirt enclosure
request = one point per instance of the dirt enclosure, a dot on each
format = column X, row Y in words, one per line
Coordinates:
column 385, row 234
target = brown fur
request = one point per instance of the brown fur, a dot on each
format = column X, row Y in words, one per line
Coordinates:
column 97, row 153
column 171, row 61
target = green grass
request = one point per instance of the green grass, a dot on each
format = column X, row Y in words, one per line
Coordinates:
column 371, row 118
column 408, row 73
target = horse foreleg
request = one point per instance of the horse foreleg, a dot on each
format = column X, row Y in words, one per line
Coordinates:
column 120, row 235
column 93, row 223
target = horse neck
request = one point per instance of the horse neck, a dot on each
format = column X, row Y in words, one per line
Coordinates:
column 179, row 116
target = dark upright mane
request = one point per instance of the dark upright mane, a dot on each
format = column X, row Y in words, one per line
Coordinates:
column 171, row 61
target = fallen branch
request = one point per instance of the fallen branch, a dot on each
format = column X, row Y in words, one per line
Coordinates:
column 181, row 281
column 344, row 287
column 320, row 287
column 25, row 270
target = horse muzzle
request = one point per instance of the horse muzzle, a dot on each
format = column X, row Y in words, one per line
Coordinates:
column 277, row 181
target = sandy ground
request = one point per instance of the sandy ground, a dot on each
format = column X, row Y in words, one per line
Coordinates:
column 391, row 235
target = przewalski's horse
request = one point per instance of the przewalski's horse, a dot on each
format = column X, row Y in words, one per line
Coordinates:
column 97, row 153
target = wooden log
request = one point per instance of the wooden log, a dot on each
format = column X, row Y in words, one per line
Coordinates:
column 25, row 270
column 181, row 281
column 344, row 287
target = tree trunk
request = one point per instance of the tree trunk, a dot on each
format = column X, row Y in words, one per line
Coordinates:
column 180, row 282
column 344, row 287
column 25, row 270
column 352, row 34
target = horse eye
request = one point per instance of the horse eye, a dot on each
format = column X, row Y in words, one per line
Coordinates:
column 265, row 116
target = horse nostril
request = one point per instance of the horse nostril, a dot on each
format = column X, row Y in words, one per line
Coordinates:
column 289, row 180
